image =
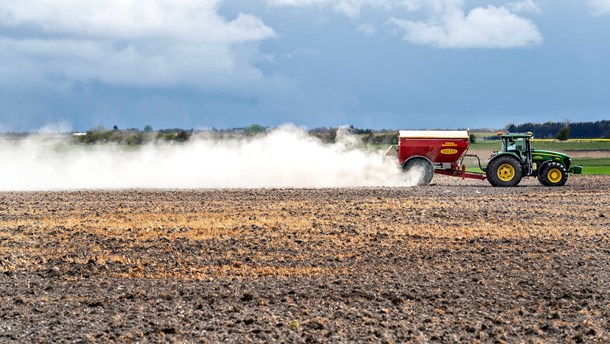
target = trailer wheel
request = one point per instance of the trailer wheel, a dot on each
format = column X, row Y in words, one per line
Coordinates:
column 505, row 170
column 552, row 173
column 421, row 169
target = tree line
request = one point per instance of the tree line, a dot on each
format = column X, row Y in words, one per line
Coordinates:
column 564, row 130
column 132, row 136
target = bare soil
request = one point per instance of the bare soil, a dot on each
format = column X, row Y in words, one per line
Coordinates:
column 456, row 261
column 589, row 154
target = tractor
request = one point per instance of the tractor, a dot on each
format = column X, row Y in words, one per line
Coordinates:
column 443, row 152
column 518, row 159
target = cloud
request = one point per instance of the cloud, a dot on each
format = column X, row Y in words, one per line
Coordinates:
column 526, row 6
column 449, row 26
column 367, row 29
column 600, row 7
column 135, row 43
column 350, row 8
column 482, row 27
column 308, row 52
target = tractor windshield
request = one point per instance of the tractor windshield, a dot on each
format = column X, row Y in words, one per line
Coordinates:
column 514, row 144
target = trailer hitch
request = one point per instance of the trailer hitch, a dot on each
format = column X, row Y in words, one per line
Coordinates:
column 484, row 169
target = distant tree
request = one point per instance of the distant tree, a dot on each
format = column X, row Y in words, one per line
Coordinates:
column 473, row 138
column 331, row 137
column 98, row 134
column 99, row 129
column 357, row 131
column 167, row 136
column 182, row 136
column 563, row 134
column 115, row 128
column 254, row 129
column 148, row 129
column 367, row 137
column 134, row 139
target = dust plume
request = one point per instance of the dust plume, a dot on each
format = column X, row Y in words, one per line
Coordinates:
column 284, row 157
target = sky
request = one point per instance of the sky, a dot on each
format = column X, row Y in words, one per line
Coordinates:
column 395, row 64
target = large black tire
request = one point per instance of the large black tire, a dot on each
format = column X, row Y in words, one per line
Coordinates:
column 421, row 169
column 552, row 173
column 504, row 170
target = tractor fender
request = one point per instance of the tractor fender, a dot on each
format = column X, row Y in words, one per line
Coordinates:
column 540, row 166
column 502, row 154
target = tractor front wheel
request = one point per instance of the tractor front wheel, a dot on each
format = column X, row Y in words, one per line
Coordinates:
column 552, row 173
column 504, row 171
column 420, row 170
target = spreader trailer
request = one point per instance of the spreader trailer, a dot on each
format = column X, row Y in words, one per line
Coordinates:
column 444, row 151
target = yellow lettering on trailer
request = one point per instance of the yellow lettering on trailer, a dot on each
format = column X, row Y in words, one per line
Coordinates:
column 449, row 144
column 449, row 151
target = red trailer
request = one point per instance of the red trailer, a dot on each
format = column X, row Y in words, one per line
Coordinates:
column 435, row 151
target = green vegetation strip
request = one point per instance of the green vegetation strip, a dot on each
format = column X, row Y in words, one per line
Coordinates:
column 596, row 170
column 594, row 166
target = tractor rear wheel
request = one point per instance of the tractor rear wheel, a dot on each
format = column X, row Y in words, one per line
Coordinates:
column 420, row 169
column 552, row 173
column 505, row 170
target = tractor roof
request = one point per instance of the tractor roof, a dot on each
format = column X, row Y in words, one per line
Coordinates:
column 517, row 135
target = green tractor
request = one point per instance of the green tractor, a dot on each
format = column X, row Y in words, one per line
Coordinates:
column 518, row 159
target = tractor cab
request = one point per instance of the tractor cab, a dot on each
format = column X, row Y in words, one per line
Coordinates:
column 514, row 143
column 519, row 145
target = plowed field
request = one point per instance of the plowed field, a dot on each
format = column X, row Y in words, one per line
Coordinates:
column 456, row 261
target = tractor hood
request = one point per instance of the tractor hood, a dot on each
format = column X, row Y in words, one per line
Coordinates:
column 550, row 154
column 539, row 156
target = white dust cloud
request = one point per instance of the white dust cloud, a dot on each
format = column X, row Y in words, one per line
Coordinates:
column 285, row 157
